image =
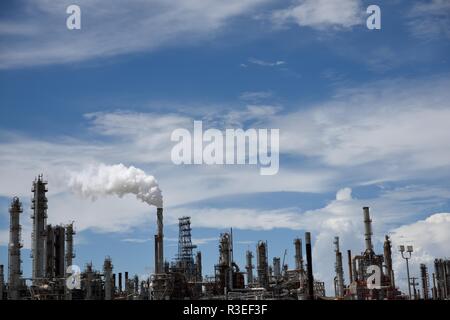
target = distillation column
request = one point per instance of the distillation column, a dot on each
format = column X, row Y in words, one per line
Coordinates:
column 298, row 254
column 263, row 271
column 107, row 269
column 249, row 267
column 39, row 207
column 15, row 272
column 388, row 261
column 339, row 270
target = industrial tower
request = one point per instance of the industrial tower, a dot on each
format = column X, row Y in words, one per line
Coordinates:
column 15, row 272
column 185, row 257
column 39, row 207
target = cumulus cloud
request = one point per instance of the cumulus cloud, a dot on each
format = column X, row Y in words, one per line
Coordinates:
column 321, row 14
column 429, row 238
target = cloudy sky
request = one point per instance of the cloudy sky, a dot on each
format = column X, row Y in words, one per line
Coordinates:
column 363, row 116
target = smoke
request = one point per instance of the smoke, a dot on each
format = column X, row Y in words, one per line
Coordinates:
column 103, row 180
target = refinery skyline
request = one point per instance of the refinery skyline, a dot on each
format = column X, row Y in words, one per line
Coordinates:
column 362, row 116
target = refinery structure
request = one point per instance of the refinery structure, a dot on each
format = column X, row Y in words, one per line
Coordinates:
column 54, row 278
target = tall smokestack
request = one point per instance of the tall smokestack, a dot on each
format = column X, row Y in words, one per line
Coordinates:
column 388, row 261
column 368, row 230
column 350, row 271
column 39, row 207
column 298, row 254
column 15, row 272
column 339, row 270
column 120, row 282
column 159, row 253
column 107, row 269
column 309, row 266
column 249, row 267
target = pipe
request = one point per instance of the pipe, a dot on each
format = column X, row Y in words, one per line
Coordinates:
column 309, row 266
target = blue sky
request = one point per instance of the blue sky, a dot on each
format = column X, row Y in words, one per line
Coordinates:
column 361, row 112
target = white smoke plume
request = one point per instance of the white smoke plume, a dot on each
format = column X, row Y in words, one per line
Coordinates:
column 103, row 180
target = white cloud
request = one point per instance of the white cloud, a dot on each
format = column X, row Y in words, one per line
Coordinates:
column 263, row 63
column 429, row 238
column 255, row 95
column 430, row 19
column 344, row 194
column 393, row 129
column 112, row 28
column 322, row 14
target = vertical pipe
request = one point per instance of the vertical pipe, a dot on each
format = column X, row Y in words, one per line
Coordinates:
column 309, row 266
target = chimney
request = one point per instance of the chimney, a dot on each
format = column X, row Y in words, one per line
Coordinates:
column 368, row 230
column 120, row 282
column 159, row 253
column 309, row 266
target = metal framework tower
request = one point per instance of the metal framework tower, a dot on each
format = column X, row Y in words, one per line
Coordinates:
column 39, row 207
column 185, row 257
column 15, row 272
